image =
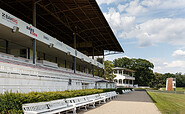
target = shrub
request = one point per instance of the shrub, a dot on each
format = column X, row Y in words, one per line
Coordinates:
column 107, row 90
column 11, row 103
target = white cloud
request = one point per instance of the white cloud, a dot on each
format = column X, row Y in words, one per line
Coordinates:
column 176, row 64
column 150, row 22
column 178, row 53
column 171, row 4
column 108, row 1
column 164, row 4
column 151, row 3
column 162, row 66
column 112, row 57
column 158, row 30
column 118, row 21
column 121, row 7
column 135, row 8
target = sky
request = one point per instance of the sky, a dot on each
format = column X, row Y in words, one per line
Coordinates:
column 149, row 29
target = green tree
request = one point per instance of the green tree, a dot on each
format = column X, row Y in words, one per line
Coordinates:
column 160, row 79
column 144, row 73
column 180, row 80
column 108, row 70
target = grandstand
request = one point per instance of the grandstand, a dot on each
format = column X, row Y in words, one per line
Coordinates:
column 50, row 45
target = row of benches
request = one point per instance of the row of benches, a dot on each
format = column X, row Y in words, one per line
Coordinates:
column 69, row 104
column 127, row 91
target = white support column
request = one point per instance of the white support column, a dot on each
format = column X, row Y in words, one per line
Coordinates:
column 132, row 82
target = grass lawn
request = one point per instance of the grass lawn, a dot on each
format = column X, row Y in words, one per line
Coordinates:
column 169, row 103
column 178, row 89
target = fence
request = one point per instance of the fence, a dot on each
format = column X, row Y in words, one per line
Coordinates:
column 36, row 88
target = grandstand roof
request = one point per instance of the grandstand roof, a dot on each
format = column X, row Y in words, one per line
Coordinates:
column 59, row 18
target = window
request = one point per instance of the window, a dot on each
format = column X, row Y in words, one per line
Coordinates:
column 123, row 81
column 115, row 80
column 120, row 71
column 120, row 81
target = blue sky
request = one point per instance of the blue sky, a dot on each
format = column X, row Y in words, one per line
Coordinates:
column 149, row 29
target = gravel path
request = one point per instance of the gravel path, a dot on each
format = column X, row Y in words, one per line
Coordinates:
column 137, row 102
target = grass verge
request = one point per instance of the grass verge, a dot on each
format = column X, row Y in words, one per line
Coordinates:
column 169, row 103
column 177, row 89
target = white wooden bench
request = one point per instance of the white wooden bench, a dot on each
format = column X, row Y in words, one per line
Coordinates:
column 126, row 91
column 106, row 96
column 80, row 102
column 113, row 94
column 66, row 105
column 96, row 98
column 51, row 107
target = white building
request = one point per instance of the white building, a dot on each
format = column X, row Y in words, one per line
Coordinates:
column 103, row 84
column 124, row 77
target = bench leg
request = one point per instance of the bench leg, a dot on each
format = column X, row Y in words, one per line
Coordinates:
column 85, row 108
column 94, row 105
column 104, row 101
column 74, row 111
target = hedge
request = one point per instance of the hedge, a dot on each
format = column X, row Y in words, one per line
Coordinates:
column 11, row 103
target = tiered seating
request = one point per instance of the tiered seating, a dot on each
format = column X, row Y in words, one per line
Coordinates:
column 23, row 69
column 11, row 58
column 47, row 64
column 7, row 58
column 66, row 105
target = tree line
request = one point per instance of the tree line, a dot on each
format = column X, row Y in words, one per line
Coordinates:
column 144, row 75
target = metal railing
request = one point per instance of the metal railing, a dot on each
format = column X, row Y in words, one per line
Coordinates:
column 39, row 88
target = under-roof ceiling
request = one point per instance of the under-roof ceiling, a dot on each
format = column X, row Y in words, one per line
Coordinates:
column 59, row 18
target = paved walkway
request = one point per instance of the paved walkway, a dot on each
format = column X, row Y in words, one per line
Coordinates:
column 137, row 102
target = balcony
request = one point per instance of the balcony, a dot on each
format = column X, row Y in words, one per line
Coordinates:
column 124, row 85
column 124, row 76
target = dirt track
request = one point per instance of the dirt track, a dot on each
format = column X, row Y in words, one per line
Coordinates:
column 137, row 102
